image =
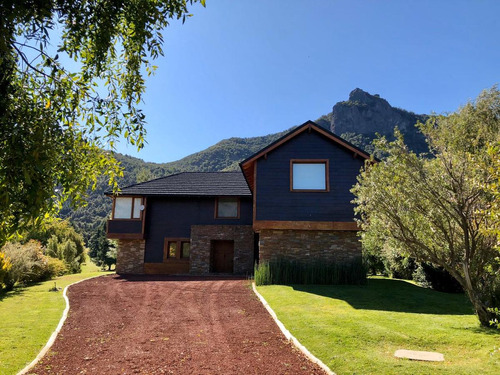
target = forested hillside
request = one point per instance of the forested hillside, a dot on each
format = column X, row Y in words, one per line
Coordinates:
column 357, row 120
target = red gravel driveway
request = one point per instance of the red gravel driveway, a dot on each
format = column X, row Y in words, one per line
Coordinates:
column 170, row 325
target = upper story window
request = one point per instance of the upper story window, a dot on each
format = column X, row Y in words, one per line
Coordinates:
column 227, row 208
column 127, row 208
column 309, row 175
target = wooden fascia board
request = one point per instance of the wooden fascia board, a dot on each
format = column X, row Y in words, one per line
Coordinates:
column 306, row 225
column 271, row 147
column 249, row 175
column 308, row 126
column 355, row 150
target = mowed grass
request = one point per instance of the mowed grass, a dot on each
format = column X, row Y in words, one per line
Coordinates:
column 357, row 329
column 28, row 316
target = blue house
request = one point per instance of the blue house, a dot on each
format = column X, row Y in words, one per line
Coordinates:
column 291, row 199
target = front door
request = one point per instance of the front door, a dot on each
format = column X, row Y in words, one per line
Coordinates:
column 222, row 256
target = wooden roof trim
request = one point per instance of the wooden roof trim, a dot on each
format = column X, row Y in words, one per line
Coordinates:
column 309, row 125
column 271, row 147
column 343, row 143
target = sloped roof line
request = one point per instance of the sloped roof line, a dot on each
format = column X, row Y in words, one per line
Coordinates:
column 301, row 128
column 172, row 175
column 148, row 181
column 192, row 184
column 247, row 165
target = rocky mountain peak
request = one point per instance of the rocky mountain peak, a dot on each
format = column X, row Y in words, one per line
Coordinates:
column 367, row 114
column 361, row 96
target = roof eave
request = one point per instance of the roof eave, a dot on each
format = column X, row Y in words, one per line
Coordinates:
column 247, row 165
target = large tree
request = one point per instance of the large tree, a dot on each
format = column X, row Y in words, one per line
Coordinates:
column 437, row 208
column 55, row 122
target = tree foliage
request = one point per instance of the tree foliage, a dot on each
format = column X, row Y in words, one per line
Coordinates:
column 102, row 250
column 54, row 121
column 5, row 266
column 493, row 187
column 438, row 209
column 28, row 264
column 61, row 241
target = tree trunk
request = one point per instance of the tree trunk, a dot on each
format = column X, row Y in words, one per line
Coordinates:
column 481, row 309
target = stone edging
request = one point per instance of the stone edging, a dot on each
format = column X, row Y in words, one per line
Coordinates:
column 52, row 338
column 289, row 336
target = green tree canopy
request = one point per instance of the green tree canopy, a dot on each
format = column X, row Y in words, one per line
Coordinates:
column 54, row 122
column 60, row 240
column 439, row 209
column 102, row 250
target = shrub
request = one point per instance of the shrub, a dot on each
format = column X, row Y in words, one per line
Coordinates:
column 439, row 279
column 55, row 267
column 5, row 266
column 288, row 271
column 29, row 265
column 61, row 241
column 374, row 264
column 399, row 266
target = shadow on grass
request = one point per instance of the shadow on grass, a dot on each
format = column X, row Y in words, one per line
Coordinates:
column 393, row 295
column 17, row 291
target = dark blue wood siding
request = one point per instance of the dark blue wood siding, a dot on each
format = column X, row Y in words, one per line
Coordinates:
column 173, row 217
column 124, row 226
column 276, row 202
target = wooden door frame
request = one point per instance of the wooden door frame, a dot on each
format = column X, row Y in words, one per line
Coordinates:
column 212, row 252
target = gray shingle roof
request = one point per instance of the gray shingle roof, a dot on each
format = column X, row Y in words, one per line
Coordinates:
column 194, row 184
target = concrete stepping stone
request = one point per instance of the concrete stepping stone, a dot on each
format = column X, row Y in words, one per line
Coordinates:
column 419, row 356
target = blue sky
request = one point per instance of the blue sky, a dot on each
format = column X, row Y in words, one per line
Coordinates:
column 250, row 68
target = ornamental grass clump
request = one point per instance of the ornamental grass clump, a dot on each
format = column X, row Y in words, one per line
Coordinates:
column 288, row 271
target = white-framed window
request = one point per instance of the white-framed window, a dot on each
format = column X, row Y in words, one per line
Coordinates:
column 227, row 208
column 309, row 175
column 127, row 208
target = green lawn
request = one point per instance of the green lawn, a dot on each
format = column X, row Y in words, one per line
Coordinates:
column 357, row 329
column 28, row 316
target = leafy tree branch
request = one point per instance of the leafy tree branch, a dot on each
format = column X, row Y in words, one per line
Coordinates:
column 442, row 208
column 55, row 124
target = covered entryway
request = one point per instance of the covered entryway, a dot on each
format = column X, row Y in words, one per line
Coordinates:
column 221, row 256
column 221, row 249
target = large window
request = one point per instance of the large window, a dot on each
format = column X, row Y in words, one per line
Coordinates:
column 309, row 175
column 176, row 248
column 127, row 208
column 227, row 208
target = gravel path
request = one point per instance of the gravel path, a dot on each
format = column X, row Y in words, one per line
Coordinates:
column 170, row 325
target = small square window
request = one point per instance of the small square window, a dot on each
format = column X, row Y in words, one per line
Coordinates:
column 309, row 175
column 227, row 208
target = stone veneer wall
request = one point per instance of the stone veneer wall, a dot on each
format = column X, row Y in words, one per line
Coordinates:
column 330, row 246
column 130, row 257
column 201, row 237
